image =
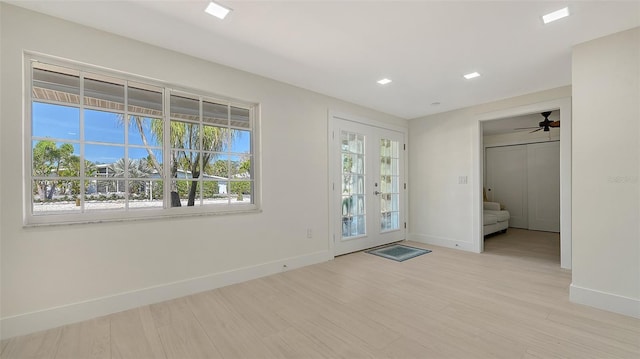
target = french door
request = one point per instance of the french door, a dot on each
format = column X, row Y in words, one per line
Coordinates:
column 368, row 186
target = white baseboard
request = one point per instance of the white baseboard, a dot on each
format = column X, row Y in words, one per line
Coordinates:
column 440, row 241
column 606, row 301
column 71, row 313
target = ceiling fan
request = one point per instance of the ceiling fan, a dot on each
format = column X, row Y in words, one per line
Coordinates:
column 543, row 125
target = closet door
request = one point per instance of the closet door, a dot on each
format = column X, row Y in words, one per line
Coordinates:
column 544, row 186
column 506, row 181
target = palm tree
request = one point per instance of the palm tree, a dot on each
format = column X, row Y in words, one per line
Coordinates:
column 136, row 169
column 50, row 160
column 72, row 169
column 185, row 137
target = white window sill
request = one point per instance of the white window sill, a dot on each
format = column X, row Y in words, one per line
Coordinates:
column 130, row 216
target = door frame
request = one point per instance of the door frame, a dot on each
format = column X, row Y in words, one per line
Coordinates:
column 564, row 105
column 332, row 116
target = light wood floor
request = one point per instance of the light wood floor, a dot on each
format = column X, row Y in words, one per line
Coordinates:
column 509, row 302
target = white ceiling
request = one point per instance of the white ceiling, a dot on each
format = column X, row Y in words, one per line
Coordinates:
column 341, row 48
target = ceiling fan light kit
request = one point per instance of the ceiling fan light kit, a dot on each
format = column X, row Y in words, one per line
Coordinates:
column 545, row 124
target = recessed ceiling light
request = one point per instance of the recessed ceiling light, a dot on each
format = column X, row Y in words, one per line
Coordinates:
column 556, row 15
column 471, row 75
column 384, row 81
column 435, row 103
column 217, row 10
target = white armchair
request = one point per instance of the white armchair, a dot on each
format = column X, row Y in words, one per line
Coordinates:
column 494, row 218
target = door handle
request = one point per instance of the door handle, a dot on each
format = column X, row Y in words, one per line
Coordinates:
column 376, row 192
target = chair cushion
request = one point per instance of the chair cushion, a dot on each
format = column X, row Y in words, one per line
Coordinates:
column 489, row 218
column 501, row 215
column 493, row 206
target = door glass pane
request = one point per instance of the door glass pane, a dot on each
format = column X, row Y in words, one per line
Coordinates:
column 389, row 189
column 353, row 178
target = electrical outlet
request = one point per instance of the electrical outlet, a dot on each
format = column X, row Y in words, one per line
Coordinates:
column 309, row 233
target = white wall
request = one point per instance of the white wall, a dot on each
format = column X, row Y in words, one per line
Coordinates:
column 606, row 156
column 60, row 274
column 443, row 147
column 1, row 162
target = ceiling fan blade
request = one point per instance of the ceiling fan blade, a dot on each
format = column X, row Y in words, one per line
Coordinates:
column 544, row 125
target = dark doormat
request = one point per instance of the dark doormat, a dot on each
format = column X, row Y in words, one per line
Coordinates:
column 398, row 252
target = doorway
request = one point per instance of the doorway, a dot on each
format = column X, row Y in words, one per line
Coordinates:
column 367, row 185
column 525, row 178
column 564, row 107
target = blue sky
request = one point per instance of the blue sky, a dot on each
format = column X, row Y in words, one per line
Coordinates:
column 63, row 123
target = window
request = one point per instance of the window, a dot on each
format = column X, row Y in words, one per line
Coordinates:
column 103, row 146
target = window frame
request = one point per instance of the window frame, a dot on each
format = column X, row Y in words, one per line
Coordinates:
column 126, row 214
